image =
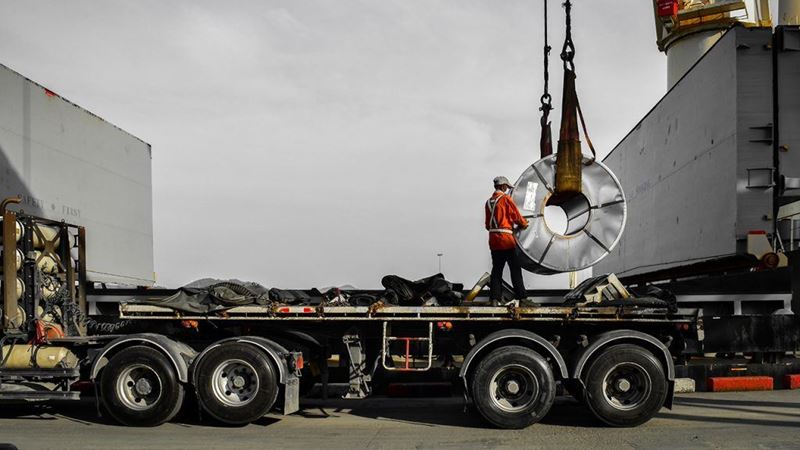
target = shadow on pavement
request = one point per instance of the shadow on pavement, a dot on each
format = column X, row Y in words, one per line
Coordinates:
column 753, row 410
column 421, row 411
column 726, row 402
column 438, row 412
column 764, row 409
column 568, row 412
column 730, row 420
column 84, row 412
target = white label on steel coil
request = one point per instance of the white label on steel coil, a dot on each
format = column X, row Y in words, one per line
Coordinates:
column 530, row 196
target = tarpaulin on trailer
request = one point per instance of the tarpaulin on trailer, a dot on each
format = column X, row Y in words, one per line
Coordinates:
column 210, row 295
column 434, row 290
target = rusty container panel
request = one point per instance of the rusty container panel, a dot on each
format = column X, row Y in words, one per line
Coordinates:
column 69, row 164
column 684, row 167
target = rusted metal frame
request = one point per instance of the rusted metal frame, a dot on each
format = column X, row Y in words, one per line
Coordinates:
column 77, row 279
column 10, row 304
column 564, row 315
column 66, row 271
column 415, row 310
column 66, row 265
column 82, row 280
column 477, row 310
column 619, row 316
column 29, row 274
column 712, row 9
column 49, row 248
column 413, row 319
column 52, row 223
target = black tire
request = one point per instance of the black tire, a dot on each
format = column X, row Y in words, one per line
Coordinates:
column 513, row 387
column 239, row 399
column 139, row 387
column 625, row 385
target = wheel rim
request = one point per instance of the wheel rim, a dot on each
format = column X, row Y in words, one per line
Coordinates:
column 514, row 388
column 139, row 387
column 627, row 386
column 234, row 382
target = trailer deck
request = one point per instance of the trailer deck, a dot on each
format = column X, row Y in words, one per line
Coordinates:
column 380, row 312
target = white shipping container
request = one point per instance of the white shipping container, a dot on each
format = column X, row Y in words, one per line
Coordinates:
column 69, row 164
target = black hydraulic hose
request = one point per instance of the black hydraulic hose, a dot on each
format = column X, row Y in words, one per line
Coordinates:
column 244, row 291
column 71, row 309
column 7, row 355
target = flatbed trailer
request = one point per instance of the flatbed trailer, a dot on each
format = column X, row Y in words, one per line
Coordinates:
column 142, row 359
column 471, row 313
column 509, row 360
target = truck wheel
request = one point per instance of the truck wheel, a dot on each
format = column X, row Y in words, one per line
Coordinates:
column 139, row 387
column 236, row 383
column 513, row 387
column 625, row 386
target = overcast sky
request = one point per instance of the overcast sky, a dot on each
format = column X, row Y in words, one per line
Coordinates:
column 312, row 143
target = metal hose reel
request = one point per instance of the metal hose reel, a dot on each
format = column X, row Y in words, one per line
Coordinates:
column 595, row 218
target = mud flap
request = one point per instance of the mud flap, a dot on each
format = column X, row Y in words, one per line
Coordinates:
column 670, row 394
column 291, row 395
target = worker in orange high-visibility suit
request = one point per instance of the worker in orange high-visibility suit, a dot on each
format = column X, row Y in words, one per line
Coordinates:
column 502, row 215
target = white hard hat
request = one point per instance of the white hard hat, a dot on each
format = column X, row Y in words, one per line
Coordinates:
column 501, row 180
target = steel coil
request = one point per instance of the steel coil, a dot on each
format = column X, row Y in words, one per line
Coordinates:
column 595, row 218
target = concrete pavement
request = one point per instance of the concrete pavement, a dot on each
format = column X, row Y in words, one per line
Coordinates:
column 702, row 420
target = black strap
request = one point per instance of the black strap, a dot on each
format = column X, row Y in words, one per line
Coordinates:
column 568, row 51
column 546, row 140
column 546, row 97
column 568, row 56
column 585, row 133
